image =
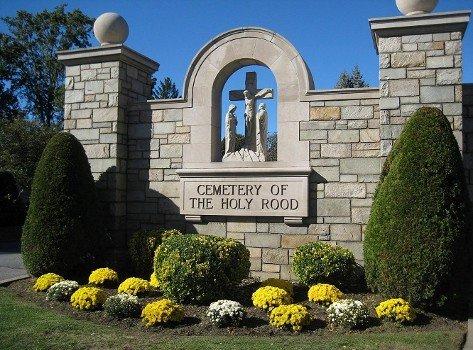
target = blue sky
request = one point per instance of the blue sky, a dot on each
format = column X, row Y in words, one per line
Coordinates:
column 331, row 35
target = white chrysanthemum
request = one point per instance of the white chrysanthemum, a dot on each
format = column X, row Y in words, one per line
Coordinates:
column 347, row 313
column 122, row 305
column 62, row 291
column 226, row 312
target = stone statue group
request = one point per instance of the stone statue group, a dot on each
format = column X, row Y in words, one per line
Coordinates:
column 256, row 130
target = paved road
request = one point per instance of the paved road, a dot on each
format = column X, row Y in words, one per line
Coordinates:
column 11, row 265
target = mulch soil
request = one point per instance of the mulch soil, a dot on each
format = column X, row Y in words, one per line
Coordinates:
column 195, row 321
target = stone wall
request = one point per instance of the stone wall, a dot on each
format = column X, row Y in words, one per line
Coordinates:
column 136, row 146
column 100, row 85
column 415, row 71
column 343, row 132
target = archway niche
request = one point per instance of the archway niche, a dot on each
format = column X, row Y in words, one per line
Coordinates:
column 212, row 67
column 260, row 79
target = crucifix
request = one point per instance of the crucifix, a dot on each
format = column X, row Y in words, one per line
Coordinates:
column 250, row 95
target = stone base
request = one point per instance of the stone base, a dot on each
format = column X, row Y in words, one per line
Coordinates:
column 244, row 155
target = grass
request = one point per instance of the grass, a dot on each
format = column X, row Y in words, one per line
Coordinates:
column 24, row 325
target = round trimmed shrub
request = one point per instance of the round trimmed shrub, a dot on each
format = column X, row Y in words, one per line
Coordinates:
column 323, row 263
column 199, row 268
column 142, row 246
column 122, row 305
column 61, row 233
column 416, row 242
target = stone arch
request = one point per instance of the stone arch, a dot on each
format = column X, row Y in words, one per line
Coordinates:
column 216, row 62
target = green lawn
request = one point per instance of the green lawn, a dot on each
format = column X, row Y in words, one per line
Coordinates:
column 27, row 326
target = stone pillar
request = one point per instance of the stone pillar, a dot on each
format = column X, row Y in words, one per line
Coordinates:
column 101, row 83
column 420, row 60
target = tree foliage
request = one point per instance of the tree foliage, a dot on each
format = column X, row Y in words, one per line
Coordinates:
column 166, row 89
column 12, row 208
column 22, row 143
column 351, row 80
column 417, row 239
column 28, row 63
column 61, row 233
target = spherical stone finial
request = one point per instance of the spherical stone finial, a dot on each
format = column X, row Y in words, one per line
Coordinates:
column 110, row 28
column 416, row 7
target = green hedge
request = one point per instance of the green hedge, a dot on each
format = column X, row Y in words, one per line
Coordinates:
column 142, row 246
column 416, row 242
column 323, row 263
column 199, row 268
column 62, row 233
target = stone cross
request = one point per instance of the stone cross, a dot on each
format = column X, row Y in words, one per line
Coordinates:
column 250, row 98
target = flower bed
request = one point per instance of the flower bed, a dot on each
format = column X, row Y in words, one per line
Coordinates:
column 196, row 321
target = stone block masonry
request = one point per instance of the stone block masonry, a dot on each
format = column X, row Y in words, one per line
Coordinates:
column 100, row 84
column 137, row 147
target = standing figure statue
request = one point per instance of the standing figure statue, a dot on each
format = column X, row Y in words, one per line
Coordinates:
column 262, row 131
column 250, row 116
column 230, row 129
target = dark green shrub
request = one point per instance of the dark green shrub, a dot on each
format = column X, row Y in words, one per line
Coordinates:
column 323, row 263
column 417, row 240
column 61, row 232
column 12, row 208
column 142, row 246
column 199, row 268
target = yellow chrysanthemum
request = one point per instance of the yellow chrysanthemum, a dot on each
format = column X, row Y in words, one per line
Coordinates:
column 162, row 311
column 293, row 315
column 45, row 281
column 153, row 281
column 134, row 286
column 279, row 283
column 103, row 276
column 324, row 294
column 269, row 297
column 397, row 310
column 88, row 298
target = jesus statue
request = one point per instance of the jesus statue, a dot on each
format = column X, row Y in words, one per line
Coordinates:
column 250, row 116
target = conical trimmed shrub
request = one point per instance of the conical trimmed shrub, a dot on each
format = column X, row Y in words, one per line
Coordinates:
column 417, row 238
column 61, row 233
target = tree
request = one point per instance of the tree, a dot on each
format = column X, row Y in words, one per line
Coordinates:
column 9, row 107
column 357, row 78
column 417, row 239
column 22, row 142
column 353, row 80
column 61, row 233
column 273, row 147
column 167, row 89
column 28, row 56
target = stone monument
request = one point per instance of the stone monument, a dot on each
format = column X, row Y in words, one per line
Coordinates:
column 158, row 163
